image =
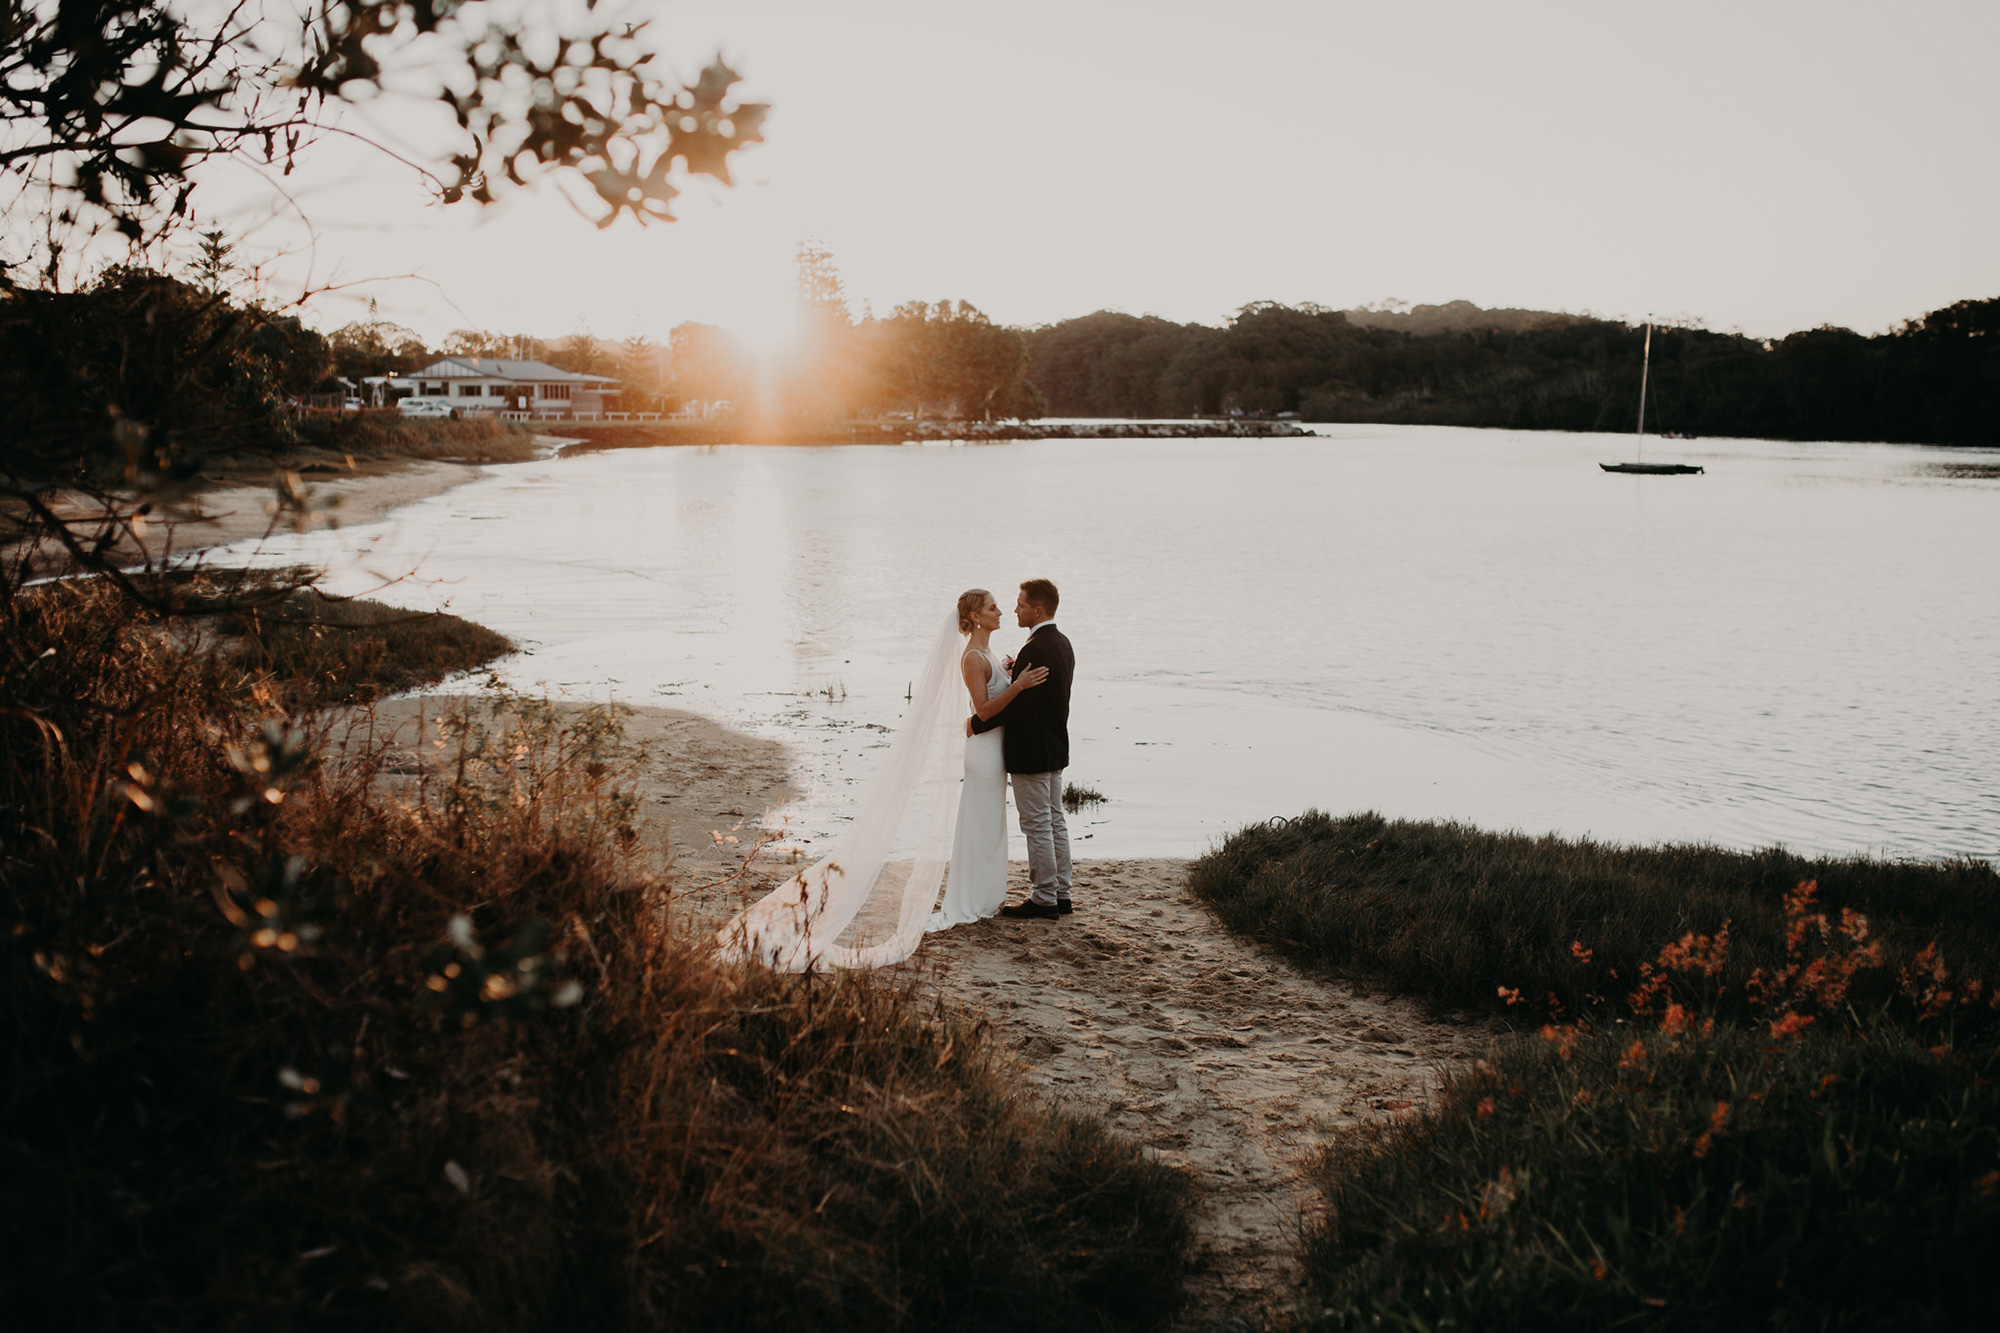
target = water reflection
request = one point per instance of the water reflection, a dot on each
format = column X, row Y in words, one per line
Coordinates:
column 1799, row 646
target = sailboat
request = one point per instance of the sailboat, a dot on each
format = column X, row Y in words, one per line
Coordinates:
column 1639, row 465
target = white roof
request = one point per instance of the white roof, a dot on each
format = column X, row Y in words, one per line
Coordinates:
column 486, row 368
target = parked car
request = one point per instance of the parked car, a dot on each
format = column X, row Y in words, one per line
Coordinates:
column 427, row 407
column 350, row 404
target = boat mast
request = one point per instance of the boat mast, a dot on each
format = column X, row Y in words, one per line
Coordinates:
column 1645, row 370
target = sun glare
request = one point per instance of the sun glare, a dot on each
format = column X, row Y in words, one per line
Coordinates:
column 770, row 331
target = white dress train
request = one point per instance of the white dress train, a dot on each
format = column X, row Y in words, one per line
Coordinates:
column 866, row 901
column 976, row 886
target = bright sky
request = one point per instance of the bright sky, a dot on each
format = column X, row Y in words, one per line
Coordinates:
column 1768, row 166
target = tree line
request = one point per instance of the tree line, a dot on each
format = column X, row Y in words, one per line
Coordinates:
column 942, row 359
column 1935, row 379
column 82, row 361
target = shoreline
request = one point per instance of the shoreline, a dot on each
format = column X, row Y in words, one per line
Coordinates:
column 367, row 494
column 597, row 437
column 235, row 499
column 228, row 509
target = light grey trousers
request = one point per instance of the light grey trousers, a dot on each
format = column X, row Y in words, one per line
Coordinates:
column 1038, row 801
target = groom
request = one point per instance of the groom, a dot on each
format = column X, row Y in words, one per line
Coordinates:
column 1036, row 747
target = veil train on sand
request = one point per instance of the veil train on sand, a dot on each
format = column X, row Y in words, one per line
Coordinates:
column 864, row 903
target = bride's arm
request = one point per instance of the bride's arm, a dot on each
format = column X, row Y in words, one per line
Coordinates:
column 986, row 709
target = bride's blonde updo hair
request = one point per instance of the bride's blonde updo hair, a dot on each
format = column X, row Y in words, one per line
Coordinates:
column 969, row 603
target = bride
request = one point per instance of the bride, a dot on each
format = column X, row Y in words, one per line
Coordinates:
column 869, row 900
column 977, row 885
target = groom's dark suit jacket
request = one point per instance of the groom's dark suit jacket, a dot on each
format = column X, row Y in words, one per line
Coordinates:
column 1037, row 721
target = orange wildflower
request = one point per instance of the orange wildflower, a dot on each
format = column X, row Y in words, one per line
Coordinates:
column 1790, row 1025
column 1718, row 1123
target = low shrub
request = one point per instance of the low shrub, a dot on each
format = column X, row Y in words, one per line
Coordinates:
column 1651, row 1180
column 291, row 1045
column 476, row 438
column 1463, row 917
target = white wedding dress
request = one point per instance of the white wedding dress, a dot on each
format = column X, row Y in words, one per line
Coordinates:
column 977, row 884
column 866, row 901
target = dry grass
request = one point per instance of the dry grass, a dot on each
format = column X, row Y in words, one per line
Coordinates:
column 290, row 1045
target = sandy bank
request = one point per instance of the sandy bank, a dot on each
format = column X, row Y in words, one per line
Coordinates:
column 234, row 509
column 240, row 505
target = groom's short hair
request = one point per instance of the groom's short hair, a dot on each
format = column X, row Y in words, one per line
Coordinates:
column 1042, row 593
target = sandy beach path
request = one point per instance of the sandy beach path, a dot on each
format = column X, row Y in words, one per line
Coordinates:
column 1221, row 1058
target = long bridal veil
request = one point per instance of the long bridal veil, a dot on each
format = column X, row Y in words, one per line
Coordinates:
column 864, row 903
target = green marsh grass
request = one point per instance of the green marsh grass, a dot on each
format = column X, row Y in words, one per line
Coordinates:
column 326, row 650
column 1753, row 1090
column 1462, row 917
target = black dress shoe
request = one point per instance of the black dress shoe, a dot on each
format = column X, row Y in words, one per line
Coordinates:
column 1063, row 906
column 1032, row 910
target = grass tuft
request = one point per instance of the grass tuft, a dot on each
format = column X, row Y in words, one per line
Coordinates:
column 1077, row 795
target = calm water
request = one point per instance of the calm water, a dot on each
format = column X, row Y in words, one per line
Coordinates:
column 1802, row 646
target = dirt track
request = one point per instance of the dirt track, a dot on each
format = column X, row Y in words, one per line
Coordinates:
column 1222, row 1059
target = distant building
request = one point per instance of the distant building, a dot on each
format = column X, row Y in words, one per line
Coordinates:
column 482, row 384
column 384, row 390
